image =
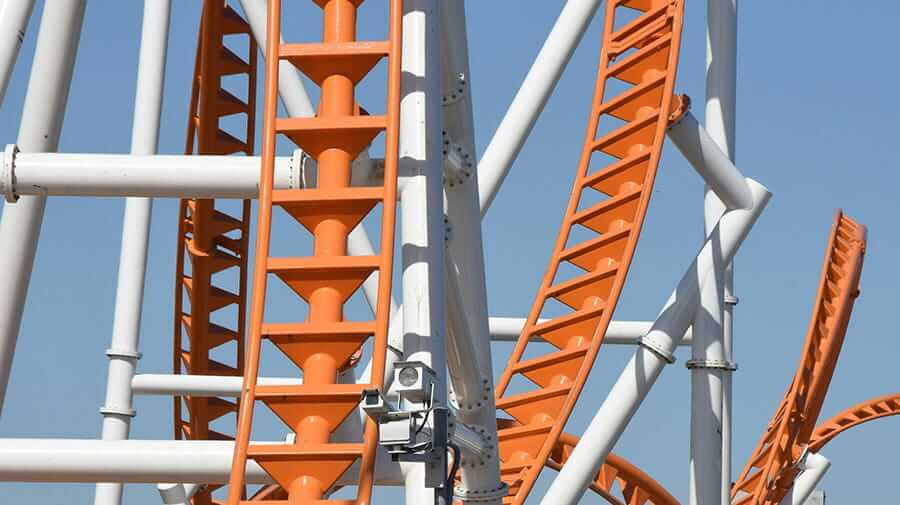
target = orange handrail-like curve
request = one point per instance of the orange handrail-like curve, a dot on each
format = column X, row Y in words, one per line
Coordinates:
column 327, row 277
column 211, row 240
column 631, row 110
column 772, row 468
column 870, row 410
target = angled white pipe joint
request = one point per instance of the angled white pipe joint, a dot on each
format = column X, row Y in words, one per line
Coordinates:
column 508, row 329
column 814, row 467
column 653, row 354
column 133, row 175
column 176, row 494
column 708, row 159
column 469, row 386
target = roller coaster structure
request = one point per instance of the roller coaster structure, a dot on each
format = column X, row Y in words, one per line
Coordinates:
column 405, row 395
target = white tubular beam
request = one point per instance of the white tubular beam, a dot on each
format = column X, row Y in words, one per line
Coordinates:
column 814, row 468
column 141, row 461
column 508, row 329
column 199, row 385
column 42, row 119
column 468, row 385
column 705, row 155
column 721, row 90
column 143, row 175
column 548, row 66
column 123, row 354
column 479, row 477
column 14, row 17
column 651, row 357
column 421, row 215
column 173, row 494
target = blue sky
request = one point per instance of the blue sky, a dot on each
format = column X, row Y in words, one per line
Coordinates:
column 816, row 123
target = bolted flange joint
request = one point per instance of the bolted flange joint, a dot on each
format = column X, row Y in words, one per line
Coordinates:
column 7, row 173
column 657, row 349
column 716, row 364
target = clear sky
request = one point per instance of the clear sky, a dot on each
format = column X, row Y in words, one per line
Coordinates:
column 816, row 123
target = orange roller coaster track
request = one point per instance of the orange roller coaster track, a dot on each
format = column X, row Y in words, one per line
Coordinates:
column 631, row 110
column 772, row 468
column 325, row 280
column 870, row 410
column 212, row 240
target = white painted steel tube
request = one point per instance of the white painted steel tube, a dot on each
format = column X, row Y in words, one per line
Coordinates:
column 708, row 159
column 146, row 461
column 123, row 354
column 468, row 385
column 814, row 468
column 173, row 494
column 42, row 119
column 14, row 17
column 144, row 175
column 508, row 329
column 721, row 92
column 651, row 357
column 466, row 255
column 199, row 385
column 529, row 101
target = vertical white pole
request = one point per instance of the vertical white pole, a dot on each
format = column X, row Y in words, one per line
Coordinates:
column 42, row 119
column 14, row 16
column 421, row 210
column 465, row 251
column 721, row 91
column 814, row 468
column 123, row 353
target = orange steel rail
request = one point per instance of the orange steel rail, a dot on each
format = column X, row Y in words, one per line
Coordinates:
column 772, row 468
column 325, row 280
column 212, row 240
column 631, row 110
column 870, row 410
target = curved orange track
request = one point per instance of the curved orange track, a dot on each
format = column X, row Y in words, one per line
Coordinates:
column 631, row 108
column 772, row 468
column 870, row 410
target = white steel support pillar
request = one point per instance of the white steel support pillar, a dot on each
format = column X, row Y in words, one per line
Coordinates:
column 42, row 119
column 421, row 214
column 814, row 468
column 654, row 353
column 123, row 352
column 466, row 254
column 529, row 101
column 721, row 91
column 14, row 17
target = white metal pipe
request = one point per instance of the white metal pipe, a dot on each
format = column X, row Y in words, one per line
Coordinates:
column 123, row 354
column 199, row 385
column 708, row 159
column 721, row 92
column 146, row 461
column 173, row 494
column 651, row 357
column 14, row 17
column 468, row 385
column 466, row 254
column 814, row 468
column 144, row 175
column 421, row 214
column 42, row 118
column 508, row 329
column 529, row 101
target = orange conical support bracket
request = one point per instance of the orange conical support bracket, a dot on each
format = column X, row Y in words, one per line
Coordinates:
column 324, row 342
column 772, row 468
column 618, row 163
column 211, row 241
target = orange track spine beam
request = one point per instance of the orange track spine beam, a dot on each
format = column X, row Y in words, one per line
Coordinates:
column 772, row 468
column 308, row 468
column 631, row 108
column 212, row 240
column 870, row 410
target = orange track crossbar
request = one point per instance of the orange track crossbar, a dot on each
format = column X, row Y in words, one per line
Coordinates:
column 772, row 468
column 870, row 410
column 631, row 110
column 325, row 280
column 212, row 240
